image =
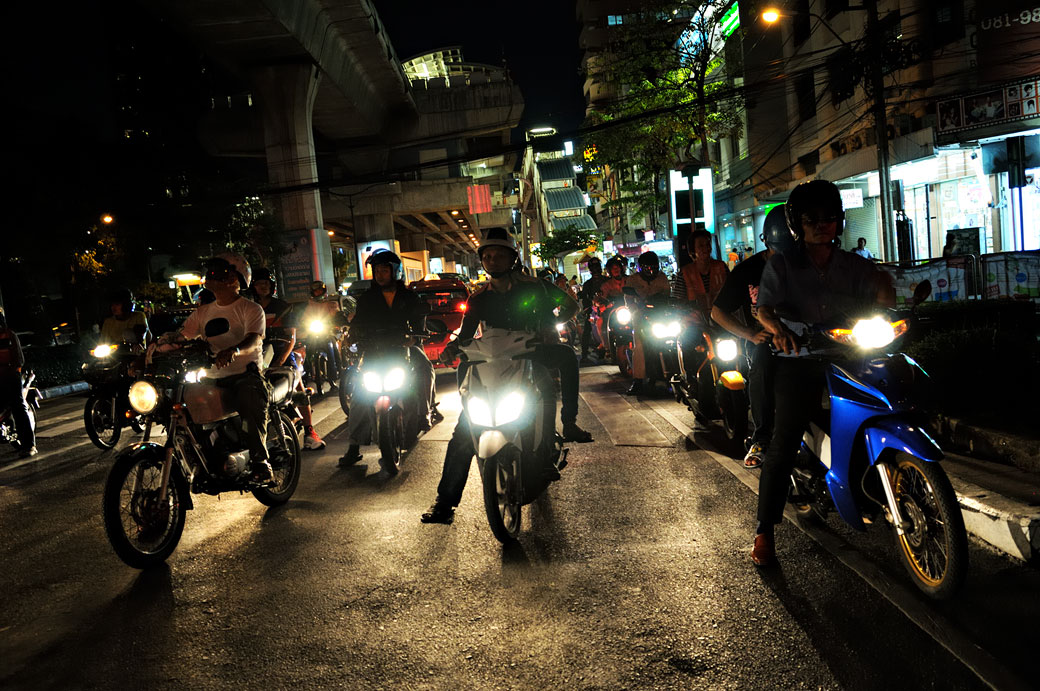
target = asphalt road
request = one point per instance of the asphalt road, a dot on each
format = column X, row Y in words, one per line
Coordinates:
column 631, row 572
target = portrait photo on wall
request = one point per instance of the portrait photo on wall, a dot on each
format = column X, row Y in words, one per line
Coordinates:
column 950, row 114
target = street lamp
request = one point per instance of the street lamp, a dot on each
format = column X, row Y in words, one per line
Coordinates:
column 772, row 15
column 107, row 219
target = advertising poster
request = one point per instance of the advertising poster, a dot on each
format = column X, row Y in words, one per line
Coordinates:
column 948, row 282
column 1010, row 275
column 297, row 266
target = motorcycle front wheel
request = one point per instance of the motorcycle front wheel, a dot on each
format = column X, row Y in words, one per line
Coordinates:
column 321, row 372
column 102, row 428
column 143, row 530
column 389, row 434
column 734, row 405
column 284, row 461
column 623, row 353
column 502, row 495
column 934, row 549
column 344, row 391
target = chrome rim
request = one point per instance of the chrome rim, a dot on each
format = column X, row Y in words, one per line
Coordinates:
column 147, row 523
column 101, row 420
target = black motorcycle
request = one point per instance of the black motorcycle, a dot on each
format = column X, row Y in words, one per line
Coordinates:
column 8, row 432
column 108, row 410
column 148, row 490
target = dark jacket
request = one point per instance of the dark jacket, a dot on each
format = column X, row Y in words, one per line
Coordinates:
column 373, row 314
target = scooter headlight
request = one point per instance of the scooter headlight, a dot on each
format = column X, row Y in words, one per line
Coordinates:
column 195, row 376
column 624, row 316
column 868, row 334
column 317, row 326
column 103, row 350
column 372, row 382
column 143, row 396
column 479, row 412
column 560, row 327
column 394, row 379
column 665, row 330
column 726, row 349
column 509, row 408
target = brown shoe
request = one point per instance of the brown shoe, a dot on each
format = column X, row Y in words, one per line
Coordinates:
column 764, row 553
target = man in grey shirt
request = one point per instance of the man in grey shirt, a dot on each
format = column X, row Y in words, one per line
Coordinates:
column 814, row 283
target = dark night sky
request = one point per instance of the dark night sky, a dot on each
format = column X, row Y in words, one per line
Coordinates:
column 538, row 39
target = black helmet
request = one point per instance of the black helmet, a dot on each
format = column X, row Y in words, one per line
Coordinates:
column 318, row 289
column 616, row 261
column 648, row 264
column 265, row 274
column 595, row 265
column 124, row 297
column 775, row 232
column 815, row 195
column 385, row 256
column 547, row 274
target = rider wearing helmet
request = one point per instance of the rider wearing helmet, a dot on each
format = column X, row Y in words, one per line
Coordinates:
column 609, row 294
column 647, row 282
column 736, row 310
column 812, row 282
column 234, row 328
column 12, row 394
column 511, row 300
column 388, row 310
column 324, row 309
column 125, row 325
column 587, row 295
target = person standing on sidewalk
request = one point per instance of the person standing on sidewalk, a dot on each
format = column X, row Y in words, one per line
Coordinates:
column 736, row 310
column 11, row 393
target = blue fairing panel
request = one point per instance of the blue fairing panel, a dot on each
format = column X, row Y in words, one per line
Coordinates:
column 900, row 435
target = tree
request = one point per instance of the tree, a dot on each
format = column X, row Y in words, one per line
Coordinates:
column 667, row 63
column 565, row 240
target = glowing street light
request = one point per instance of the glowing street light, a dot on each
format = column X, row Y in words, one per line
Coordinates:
column 454, row 212
column 770, row 15
column 107, row 219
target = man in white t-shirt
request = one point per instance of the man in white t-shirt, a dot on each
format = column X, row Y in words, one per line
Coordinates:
column 234, row 328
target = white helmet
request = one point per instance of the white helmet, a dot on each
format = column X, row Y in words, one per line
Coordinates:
column 245, row 273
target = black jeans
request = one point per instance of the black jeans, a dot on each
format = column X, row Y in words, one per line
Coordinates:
column 798, row 386
column 11, row 395
column 460, row 451
column 760, row 391
column 252, row 395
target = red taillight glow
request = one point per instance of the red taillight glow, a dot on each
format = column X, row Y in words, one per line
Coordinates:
column 462, row 306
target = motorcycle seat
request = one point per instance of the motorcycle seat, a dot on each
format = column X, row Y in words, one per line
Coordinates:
column 280, row 379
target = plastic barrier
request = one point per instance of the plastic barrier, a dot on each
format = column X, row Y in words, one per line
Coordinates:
column 1011, row 275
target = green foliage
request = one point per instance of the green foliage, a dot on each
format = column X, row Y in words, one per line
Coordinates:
column 564, row 241
column 255, row 232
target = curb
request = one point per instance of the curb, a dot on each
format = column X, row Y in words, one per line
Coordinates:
column 989, row 444
column 64, row 389
column 1006, row 524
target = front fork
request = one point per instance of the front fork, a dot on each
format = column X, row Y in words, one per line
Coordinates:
column 901, row 524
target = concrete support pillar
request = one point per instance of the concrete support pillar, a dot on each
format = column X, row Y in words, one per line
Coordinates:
column 286, row 98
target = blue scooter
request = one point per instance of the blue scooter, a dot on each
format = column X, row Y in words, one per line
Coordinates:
column 866, row 454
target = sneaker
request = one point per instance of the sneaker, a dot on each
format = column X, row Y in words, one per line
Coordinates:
column 352, row 456
column 439, row 512
column 26, row 453
column 261, row 472
column 571, row 432
column 754, row 456
column 312, row 441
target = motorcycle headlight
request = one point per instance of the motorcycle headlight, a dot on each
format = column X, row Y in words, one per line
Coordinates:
column 195, row 376
column 103, row 350
column 877, row 332
column 509, row 408
column 726, row 349
column 143, row 397
column 624, row 315
column 372, row 382
column 394, row 379
column 317, row 326
column 479, row 412
column 560, row 327
column 665, row 330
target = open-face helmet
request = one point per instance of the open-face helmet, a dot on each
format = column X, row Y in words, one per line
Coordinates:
column 318, row 289
column 816, row 198
column 498, row 237
column 385, row 256
column 245, row 273
column 775, row 233
column 265, row 274
column 124, row 297
column 615, row 261
column 648, row 265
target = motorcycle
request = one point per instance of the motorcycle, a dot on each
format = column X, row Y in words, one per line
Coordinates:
column 385, row 373
column 8, row 432
column 148, row 490
column 866, row 452
column 321, row 342
column 713, row 383
column 349, row 360
column 107, row 410
column 512, row 441
column 619, row 335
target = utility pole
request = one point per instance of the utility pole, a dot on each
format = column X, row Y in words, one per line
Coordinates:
column 881, row 126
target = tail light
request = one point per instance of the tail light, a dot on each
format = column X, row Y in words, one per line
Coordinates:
column 462, row 307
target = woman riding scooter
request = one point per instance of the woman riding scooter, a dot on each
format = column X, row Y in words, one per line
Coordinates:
column 645, row 284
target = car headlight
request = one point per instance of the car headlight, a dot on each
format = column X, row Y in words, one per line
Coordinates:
column 143, row 397
column 103, row 350
column 726, row 349
column 665, row 330
column 479, row 412
column 394, row 379
column 317, row 326
column 624, row 315
column 877, row 332
column 195, row 376
column 509, row 408
column 372, row 382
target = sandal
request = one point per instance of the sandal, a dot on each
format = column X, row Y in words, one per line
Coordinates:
column 753, row 459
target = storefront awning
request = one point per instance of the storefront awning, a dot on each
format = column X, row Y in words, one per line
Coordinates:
column 565, row 199
column 583, row 222
column 556, row 170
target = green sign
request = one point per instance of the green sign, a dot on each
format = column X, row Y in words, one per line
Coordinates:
column 730, row 21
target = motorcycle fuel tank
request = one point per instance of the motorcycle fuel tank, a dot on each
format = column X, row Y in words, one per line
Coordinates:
column 208, row 402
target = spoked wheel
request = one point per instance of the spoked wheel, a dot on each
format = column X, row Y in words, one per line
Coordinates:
column 389, row 433
column 10, row 431
column 143, row 529
column 935, row 547
column 622, row 354
column 502, row 496
column 734, row 406
column 102, row 426
column 284, row 461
